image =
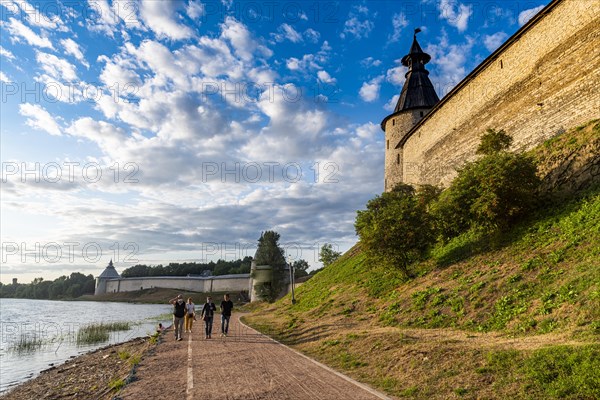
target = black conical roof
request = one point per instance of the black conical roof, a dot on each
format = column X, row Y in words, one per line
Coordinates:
column 418, row 91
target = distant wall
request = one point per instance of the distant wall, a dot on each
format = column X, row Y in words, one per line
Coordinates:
column 544, row 82
column 225, row 283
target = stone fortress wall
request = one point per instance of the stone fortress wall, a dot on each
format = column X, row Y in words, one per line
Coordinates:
column 222, row 283
column 542, row 81
column 109, row 281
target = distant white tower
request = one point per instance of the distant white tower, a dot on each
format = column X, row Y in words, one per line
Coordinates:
column 109, row 273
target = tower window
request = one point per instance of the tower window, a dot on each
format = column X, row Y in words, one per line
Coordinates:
column 398, row 158
column 501, row 64
column 388, row 145
column 393, row 122
column 421, row 113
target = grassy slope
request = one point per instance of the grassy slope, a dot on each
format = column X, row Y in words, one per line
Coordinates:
column 516, row 316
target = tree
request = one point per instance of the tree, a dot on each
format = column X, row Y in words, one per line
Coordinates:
column 327, row 255
column 490, row 193
column 269, row 253
column 300, row 268
column 395, row 229
column 493, row 141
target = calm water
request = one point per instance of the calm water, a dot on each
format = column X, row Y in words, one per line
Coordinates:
column 57, row 323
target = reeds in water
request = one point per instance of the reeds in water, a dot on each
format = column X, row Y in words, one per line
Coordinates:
column 27, row 343
column 97, row 333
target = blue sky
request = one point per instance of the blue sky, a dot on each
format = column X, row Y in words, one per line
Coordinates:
column 170, row 131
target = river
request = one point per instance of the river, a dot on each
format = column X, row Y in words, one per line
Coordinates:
column 56, row 323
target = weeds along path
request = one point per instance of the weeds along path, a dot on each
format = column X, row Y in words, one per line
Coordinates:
column 244, row 365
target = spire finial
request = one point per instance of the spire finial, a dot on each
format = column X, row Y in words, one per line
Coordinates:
column 417, row 30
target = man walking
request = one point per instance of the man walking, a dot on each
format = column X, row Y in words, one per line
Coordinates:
column 208, row 313
column 226, row 307
column 178, row 315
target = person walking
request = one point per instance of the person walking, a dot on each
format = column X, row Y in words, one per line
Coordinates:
column 190, row 314
column 226, row 307
column 208, row 313
column 178, row 315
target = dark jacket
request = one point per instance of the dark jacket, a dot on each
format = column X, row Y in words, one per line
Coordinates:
column 209, row 310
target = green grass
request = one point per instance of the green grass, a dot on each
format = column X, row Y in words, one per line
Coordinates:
column 557, row 372
column 116, row 384
column 98, row 333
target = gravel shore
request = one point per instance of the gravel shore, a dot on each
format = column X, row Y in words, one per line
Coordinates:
column 95, row 375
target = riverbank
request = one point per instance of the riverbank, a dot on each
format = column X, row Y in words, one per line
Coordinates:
column 156, row 296
column 98, row 374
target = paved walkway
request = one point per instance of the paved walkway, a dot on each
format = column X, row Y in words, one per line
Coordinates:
column 245, row 365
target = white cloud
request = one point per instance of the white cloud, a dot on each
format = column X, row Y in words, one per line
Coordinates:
column 119, row 73
column 287, row 32
column 362, row 9
column 369, row 91
column 358, row 29
column 395, row 75
column 368, row 130
column 497, row 14
column 399, row 22
column 33, row 14
column 526, row 15
column 106, row 135
column 103, row 17
column 160, row 16
column 16, row 28
column 4, row 77
column 71, row 47
column 391, row 105
column 6, row 53
column 310, row 62
column 312, row 35
column 325, row 77
column 195, row 9
column 358, row 25
column 457, row 14
column 449, row 62
column 241, row 39
column 57, row 68
column 39, row 118
column 370, row 62
column 492, row 42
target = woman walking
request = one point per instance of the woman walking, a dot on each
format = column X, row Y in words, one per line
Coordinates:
column 190, row 314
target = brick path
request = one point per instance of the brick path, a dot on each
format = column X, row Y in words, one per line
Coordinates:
column 245, row 365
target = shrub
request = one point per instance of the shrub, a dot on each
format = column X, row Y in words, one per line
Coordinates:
column 490, row 193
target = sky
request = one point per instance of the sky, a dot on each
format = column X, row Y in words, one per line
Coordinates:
column 150, row 131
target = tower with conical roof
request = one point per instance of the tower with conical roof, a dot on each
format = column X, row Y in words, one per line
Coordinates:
column 109, row 273
column 416, row 99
